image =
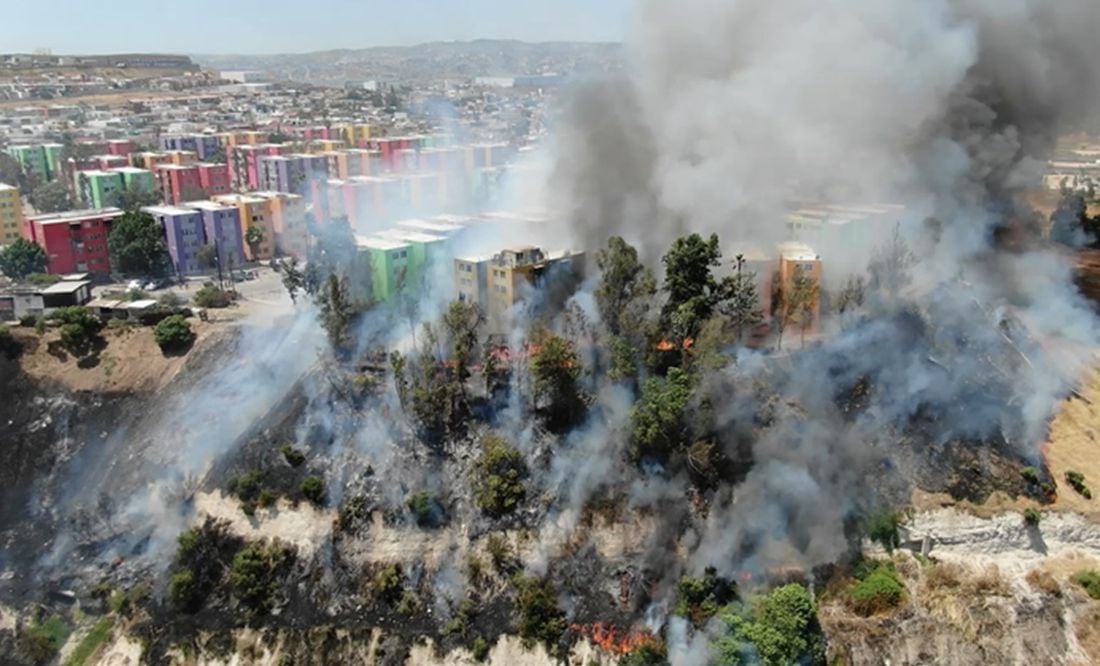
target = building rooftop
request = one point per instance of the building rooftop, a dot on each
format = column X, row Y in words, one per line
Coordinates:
column 411, row 236
column 66, row 287
column 206, row 205
column 70, row 215
column 795, row 251
column 130, row 169
column 168, row 210
column 4, row 187
column 379, row 243
column 437, row 228
column 234, row 199
column 171, row 167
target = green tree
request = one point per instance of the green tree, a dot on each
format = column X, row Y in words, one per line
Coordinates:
column 693, row 291
column 11, row 172
column 293, row 277
column 313, row 489
column 556, row 370
column 540, row 617
column 257, row 572
column 794, row 301
column 337, row 312
column 659, row 420
column 201, row 560
column 779, row 629
column 22, row 258
column 889, row 268
column 138, row 246
column 52, row 197
column 499, row 477
column 79, row 329
column 134, row 197
column 625, row 287
column 851, row 296
column 743, row 308
column 254, row 236
column 207, row 256
column 173, row 334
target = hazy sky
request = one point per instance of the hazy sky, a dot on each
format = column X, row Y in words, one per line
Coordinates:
column 279, row 26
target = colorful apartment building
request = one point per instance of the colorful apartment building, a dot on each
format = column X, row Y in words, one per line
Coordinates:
column 389, row 260
column 288, row 215
column 254, row 212
column 185, row 233
column 179, row 182
column 123, row 147
column 501, row 283
column 294, row 173
column 52, row 153
column 244, row 164
column 213, row 178
column 357, row 134
column 425, row 252
column 242, row 138
column 222, row 229
column 205, row 146
column 138, row 179
column 74, row 241
column 98, row 188
column 11, row 214
column 151, row 160
column 32, row 159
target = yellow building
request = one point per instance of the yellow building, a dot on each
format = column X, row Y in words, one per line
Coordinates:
column 242, row 138
column 255, row 212
column 11, row 214
column 500, row 283
column 288, row 214
column 353, row 134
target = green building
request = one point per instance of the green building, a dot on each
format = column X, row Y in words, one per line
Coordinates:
column 32, row 159
column 137, row 178
column 98, row 189
column 52, row 153
column 389, row 261
column 425, row 250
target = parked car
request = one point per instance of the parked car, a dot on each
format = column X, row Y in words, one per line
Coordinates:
column 133, row 284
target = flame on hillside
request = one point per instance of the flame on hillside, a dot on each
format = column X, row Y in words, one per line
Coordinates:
column 615, row 639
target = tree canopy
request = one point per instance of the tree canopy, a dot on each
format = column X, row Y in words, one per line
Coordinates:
column 51, row 197
column 22, row 258
column 693, row 290
column 137, row 245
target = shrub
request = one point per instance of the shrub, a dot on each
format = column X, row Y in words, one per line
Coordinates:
column 1044, row 582
column 293, row 456
column 649, row 653
column 1030, row 475
column 540, row 619
column 777, row 629
column 199, row 565
column 387, row 584
column 498, row 480
column 500, row 553
column 1032, row 516
column 1089, row 581
column 28, row 320
column 136, row 295
column 212, row 297
column 879, row 591
column 425, row 508
column 173, row 334
column 701, row 598
column 115, row 324
column 247, row 487
column 267, row 498
column 882, row 528
column 43, row 279
column 409, row 603
column 313, row 489
column 480, row 649
column 41, row 641
column 170, row 299
column 1076, row 480
column 256, row 573
column 79, row 328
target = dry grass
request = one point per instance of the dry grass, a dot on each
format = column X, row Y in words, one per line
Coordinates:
column 1075, row 445
column 1044, row 582
column 1087, row 628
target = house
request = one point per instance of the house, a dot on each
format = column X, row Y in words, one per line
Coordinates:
column 74, row 241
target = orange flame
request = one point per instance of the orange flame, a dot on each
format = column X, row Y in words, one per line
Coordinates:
column 613, row 638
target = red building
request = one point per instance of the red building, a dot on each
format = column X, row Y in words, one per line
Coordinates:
column 213, row 178
column 179, row 182
column 120, row 147
column 74, row 241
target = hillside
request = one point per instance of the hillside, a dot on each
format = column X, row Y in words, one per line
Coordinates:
column 428, row 62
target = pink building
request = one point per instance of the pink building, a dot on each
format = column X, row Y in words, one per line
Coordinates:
column 213, row 178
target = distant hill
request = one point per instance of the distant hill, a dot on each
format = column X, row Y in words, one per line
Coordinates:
column 425, row 62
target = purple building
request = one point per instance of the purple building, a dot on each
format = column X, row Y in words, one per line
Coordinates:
column 222, row 229
column 183, row 228
column 203, row 145
column 292, row 173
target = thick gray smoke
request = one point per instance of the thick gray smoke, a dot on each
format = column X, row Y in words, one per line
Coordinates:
column 735, row 112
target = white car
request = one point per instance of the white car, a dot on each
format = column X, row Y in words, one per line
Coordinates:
column 133, row 284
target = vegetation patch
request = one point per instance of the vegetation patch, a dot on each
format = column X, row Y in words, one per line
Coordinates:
column 498, row 479
column 701, row 598
column 878, row 588
column 1076, row 480
column 777, row 629
column 1089, row 582
column 257, row 572
column 539, row 619
column 91, row 643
